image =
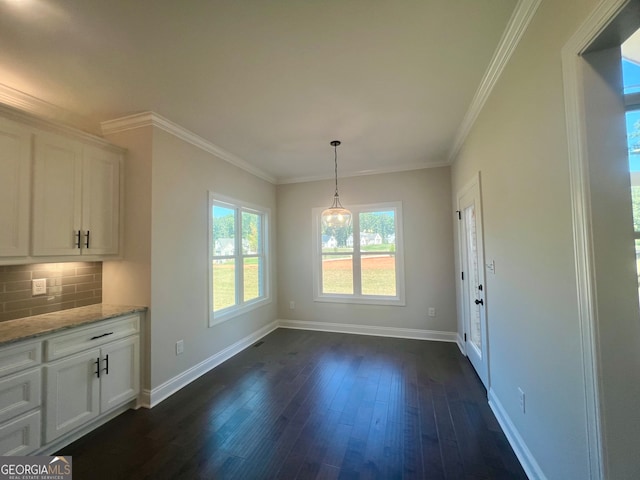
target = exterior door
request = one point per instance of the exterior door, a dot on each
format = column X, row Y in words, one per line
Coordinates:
column 472, row 278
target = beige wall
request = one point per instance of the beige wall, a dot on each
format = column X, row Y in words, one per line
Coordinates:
column 170, row 244
column 428, row 217
column 520, row 147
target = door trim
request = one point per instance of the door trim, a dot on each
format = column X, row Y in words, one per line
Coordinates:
column 600, row 17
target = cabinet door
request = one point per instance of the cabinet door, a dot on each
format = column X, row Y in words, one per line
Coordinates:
column 100, row 201
column 56, row 196
column 72, row 393
column 121, row 380
column 15, row 194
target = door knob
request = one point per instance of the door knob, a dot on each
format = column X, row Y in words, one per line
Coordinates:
column 479, row 302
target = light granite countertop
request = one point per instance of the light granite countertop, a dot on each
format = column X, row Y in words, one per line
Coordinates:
column 19, row 329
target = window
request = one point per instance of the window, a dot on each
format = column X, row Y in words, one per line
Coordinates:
column 362, row 263
column 238, row 259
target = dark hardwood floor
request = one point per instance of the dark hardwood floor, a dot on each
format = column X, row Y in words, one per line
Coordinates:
column 303, row 404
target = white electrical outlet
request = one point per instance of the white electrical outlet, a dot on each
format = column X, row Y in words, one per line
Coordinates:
column 179, row 347
column 432, row 312
column 292, row 304
column 39, row 286
column 521, row 399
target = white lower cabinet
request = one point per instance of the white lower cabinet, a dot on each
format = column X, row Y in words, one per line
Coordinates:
column 120, row 379
column 81, row 387
column 72, row 393
column 20, row 398
column 53, row 388
column 21, row 435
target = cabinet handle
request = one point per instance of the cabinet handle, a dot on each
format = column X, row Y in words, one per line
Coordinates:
column 78, row 239
column 100, row 336
column 97, row 364
column 106, row 369
column 86, row 244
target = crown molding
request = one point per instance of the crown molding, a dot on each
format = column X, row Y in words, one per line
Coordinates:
column 361, row 173
column 518, row 23
column 145, row 119
column 31, row 105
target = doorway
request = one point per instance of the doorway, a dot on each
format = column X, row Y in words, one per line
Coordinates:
column 470, row 241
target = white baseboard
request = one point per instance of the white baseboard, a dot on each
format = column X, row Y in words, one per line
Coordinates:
column 150, row 398
column 410, row 333
column 528, row 462
column 460, row 343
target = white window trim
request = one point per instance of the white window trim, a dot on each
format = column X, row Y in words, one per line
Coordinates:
column 316, row 256
column 243, row 307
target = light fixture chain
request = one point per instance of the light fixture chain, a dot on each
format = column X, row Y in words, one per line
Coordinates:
column 335, row 157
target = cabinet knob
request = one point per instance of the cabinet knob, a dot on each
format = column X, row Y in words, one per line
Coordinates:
column 86, row 243
column 78, row 235
column 97, row 364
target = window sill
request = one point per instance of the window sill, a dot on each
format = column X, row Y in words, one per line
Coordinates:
column 361, row 300
column 233, row 312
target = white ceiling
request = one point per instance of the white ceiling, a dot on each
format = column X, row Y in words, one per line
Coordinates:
column 272, row 82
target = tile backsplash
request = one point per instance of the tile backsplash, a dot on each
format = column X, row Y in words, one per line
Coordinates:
column 69, row 285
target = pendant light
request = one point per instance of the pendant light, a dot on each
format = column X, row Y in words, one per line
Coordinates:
column 336, row 216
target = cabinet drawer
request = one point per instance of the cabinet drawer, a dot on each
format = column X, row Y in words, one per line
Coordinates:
column 20, row 357
column 91, row 337
column 19, row 393
column 20, row 436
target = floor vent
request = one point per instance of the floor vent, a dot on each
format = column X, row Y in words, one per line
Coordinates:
column 259, row 343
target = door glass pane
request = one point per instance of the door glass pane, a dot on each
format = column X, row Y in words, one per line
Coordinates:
column 633, row 146
column 337, row 274
column 378, row 275
column 630, row 75
column 224, row 284
column 474, row 275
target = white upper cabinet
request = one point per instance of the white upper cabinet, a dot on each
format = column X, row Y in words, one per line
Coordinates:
column 60, row 193
column 57, row 196
column 76, row 208
column 15, row 194
column 100, row 201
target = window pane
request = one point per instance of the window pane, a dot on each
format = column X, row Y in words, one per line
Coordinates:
column 377, row 231
column 337, row 239
column 250, row 233
column 379, row 275
column 224, row 284
column 252, row 276
column 337, row 274
column 224, row 221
